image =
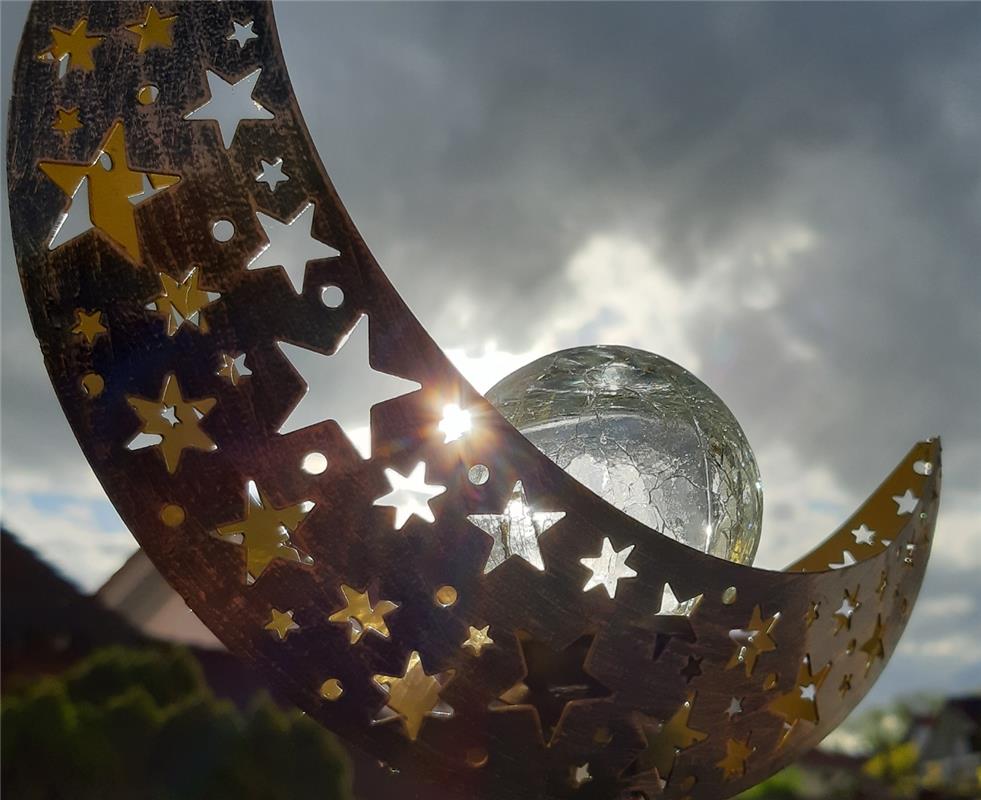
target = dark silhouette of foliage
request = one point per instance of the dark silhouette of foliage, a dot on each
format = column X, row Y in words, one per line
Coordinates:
column 143, row 723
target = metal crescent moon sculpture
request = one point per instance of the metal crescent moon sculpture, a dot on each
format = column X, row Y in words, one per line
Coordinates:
column 173, row 259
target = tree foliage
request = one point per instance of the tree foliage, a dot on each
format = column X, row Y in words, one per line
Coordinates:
column 143, row 723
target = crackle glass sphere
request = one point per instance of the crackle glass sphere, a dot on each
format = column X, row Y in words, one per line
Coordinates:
column 648, row 437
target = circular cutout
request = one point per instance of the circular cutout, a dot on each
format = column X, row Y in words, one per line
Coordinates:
column 729, row 596
column 147, row 94
column 92, row 384
column 477, row 757
column 478, row 474
column 332, row 296
column 314, row 463
column 223, row 230
column 105, row 161
column 446, row 596
column 923, row 467
column 172, row 515
column 331, row 689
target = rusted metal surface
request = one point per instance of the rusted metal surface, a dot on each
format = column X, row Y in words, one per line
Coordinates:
column 641, row 669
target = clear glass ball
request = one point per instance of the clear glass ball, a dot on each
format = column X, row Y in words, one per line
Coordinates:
column 648, row 437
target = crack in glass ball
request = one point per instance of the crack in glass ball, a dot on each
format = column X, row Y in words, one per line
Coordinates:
column 648, row 437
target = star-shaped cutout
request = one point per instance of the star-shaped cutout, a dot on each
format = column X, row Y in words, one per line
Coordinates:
column 692, row 669
column 242, row 33
column 233, row 368
column 410, row 495
column 67, row 120
column 846, row 685
column 342, row 386
column 579, row 774
column 864, row 534
column 874, row 648
column 72, row 49
column 104, row 193
column 154, row 31
column 272, row 174
column 609, row 567
column 553, row 679
column 906, row 502
column 88, row 325
column 413, row 696
column 360, row 616
column 229, row 104
column 671, row 606
column 455, row 424
column 812, row 614
column 883, row 583
column 478, row 639
column 735, row 708
column 733, row 764
column 183, row 301
column 281, row 623
column 265, row 531
column 291, row 245
column 516, row 530
column 753, row 641
column 800, row 703
column 849, row 605
column 665, row 740
column 847, row 559
column 171, row 423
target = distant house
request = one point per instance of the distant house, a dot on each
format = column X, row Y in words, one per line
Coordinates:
column 949, row 744
column 140, row 595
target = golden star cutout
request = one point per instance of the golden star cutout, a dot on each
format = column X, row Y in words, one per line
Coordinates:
column 154, row 31
column 359, row 615
column 733, row 765
column 667, row 739
column 113, row 190
column 183, row 301
column 849, row 605
column 176, row 421
column 413, row 696
column 874, row 647
column 67, row 120
column 88, row 324
column 478, row 640
column 281, row 623
column 233, row 368
column 813, row 613
column 75, row 45
column 265, row 531
column 753, row 641
column 801, row 701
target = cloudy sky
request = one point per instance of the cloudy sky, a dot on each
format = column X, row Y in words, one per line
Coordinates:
column 784, row 199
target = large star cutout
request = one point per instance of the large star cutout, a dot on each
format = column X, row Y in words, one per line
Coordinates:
column 172, row 423
column 906, row 502
column 666, row 739
column 72, row 50
column 410, row 495
column 342, row 386
column 874, row 648
column 733, row 764
column 608, row 568
column 291, row 245
column 515, row 531
column 754, row 640
column 360, row 616
column 553, row 680
column 154, row 31
column 265, row 531
column 801, row 701
column 104, row 193
column 183, row 301
column 229, row 104
column 413, row 696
